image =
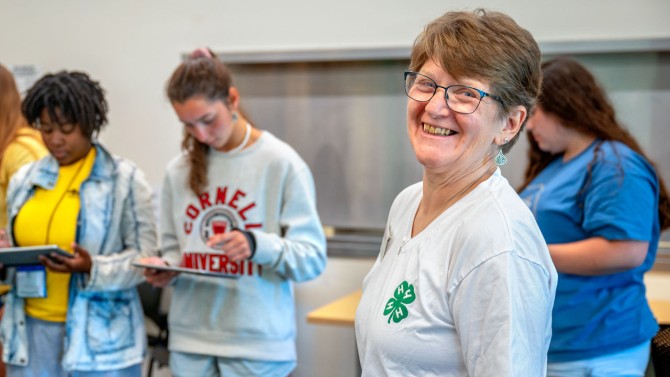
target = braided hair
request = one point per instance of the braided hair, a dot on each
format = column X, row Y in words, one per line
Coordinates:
column 69, row 98
column 204, row 76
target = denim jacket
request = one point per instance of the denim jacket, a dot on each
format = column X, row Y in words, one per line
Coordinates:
column 104, row 328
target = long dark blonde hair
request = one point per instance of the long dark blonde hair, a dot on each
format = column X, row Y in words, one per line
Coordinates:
column 200, row 76
column 11, row 118
column 571, row 93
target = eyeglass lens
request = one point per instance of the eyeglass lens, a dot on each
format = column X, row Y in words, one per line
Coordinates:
column 461, row 99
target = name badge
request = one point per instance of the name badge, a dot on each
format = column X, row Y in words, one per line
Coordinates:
column 31, row 281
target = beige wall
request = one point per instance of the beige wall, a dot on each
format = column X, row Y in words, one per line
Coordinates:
column 658, row 285
column 131, row 46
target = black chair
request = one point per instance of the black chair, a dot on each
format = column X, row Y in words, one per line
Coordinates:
column 158, row 343
column 660, row 352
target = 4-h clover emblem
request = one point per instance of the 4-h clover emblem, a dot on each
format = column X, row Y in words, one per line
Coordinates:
column 395, row 306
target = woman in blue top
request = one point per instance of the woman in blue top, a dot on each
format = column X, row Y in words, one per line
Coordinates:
column 600, row 205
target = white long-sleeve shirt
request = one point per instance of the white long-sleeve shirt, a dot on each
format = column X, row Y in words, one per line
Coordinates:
column 266, row 189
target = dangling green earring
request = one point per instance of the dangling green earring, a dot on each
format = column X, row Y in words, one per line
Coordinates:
column 235, row 117
column 501, row 159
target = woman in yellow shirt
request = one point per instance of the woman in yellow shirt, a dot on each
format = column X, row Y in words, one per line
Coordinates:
column 19, row 144
column 86, row 319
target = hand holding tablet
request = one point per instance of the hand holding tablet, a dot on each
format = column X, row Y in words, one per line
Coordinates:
column 154, row 271
column 80, row 261
column 29, row 255
column 159, row 273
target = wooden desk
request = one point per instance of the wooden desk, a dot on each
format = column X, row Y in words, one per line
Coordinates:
column 661, row 309
column 343, row 311
column 339, row 312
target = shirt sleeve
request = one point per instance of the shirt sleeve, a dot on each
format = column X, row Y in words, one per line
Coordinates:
column 502, row 313
column 17, row 156
column 621, row 201
column 138, row 231
column 169, row 243
column 299, row 253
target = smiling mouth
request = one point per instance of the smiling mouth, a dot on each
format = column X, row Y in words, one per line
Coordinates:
column 437, row 130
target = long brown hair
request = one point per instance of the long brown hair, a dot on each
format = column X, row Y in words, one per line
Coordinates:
column 571, row 93
column 198, row 76
column 11, row 119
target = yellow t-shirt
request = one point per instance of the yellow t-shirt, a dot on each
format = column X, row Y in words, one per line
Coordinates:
column 26, row 147
column 50, row 217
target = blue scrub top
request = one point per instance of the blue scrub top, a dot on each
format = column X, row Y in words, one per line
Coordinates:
column 614, row 196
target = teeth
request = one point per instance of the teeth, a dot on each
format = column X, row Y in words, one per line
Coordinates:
column 437, row 131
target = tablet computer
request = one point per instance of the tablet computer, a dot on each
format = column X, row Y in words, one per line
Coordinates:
column 185, row 270
column 27, row 255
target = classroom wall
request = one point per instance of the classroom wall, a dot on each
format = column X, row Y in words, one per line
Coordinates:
column 132, row 46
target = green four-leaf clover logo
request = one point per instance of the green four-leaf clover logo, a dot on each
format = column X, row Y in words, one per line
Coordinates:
column 395, row 306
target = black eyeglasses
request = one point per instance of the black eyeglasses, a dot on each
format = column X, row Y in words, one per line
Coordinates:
column 460, row 98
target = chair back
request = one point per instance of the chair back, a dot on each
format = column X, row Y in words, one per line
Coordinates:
column 660, row 352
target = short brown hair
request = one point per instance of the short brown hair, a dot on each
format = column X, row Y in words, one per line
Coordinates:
column 485, row 45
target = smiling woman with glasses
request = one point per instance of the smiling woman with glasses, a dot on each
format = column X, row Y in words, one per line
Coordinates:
column 464, row 283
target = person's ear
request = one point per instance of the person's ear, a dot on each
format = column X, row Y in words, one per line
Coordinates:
column 513, row 122
column 233, row 98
